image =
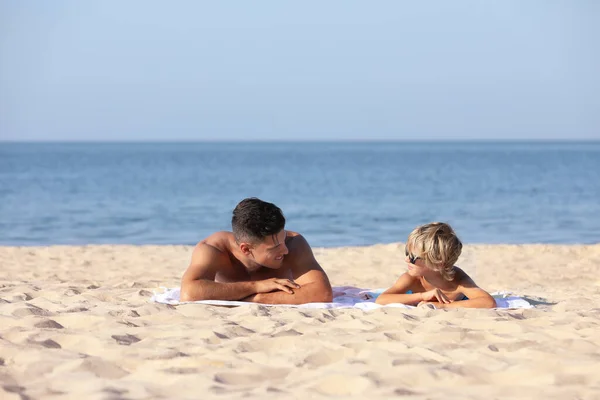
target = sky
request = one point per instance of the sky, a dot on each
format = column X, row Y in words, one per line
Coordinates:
column 304, row 70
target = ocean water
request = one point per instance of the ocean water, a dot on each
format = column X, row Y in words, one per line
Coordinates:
column 336, row 194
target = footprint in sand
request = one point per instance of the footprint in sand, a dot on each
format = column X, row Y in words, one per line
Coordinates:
column 72, row 292
column 269, row 345
column 233, row 378
column 75, row 310
column 102, row 368
column 125, row 340
column 261, row 311
column 49, row 343
column 115, row 391
column 515, row 345
column 411, row 360
column 287, row 332
column 396, row 336
column 234, row 331
column 342, row 385
column 404, row 392
column 31, row 310
column 241, row 379
column 181, row 371
column 165, row 355
column 322, row 358
column 21, row 297
column 128, row 323
column 13, row 388
column 124, row 313
column 48, row 324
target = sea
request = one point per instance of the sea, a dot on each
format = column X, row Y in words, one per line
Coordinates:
column 334, row 193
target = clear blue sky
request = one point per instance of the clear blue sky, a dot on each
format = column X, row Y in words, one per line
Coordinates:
column 228, row 70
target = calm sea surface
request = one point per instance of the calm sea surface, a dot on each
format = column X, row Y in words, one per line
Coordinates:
column 336, row 194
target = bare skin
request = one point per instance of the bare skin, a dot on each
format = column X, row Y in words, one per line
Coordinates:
column 279, row 270
column 429, row 287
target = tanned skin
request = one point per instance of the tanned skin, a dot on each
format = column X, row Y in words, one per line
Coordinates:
column 280, row 269
column 428, row 286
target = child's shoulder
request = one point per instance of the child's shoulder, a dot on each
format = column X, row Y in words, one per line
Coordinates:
column 461, row 277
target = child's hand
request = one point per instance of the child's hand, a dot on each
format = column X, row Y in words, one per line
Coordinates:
column 435, row 295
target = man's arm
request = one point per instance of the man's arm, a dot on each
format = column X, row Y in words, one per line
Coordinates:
column 315, row 288
column 198, row 282
column 306, row 272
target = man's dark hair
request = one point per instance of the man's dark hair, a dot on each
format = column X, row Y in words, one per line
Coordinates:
column 254, row 219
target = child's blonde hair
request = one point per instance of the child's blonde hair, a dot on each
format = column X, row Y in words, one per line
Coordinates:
column 437, row 244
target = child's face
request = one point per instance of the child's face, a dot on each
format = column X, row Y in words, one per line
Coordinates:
column 416, row 265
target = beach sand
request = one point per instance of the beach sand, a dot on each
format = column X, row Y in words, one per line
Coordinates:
column 76, row 322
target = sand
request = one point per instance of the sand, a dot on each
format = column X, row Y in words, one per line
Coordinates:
column 75, row 322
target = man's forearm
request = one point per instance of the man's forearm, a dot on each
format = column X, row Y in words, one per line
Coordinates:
column 202, row 289
column 308, row 293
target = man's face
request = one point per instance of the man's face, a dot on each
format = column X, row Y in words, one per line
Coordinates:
column 270, row 252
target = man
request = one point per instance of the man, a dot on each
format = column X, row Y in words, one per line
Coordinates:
column 258, row 262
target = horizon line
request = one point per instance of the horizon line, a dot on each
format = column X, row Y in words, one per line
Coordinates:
column 186, row 141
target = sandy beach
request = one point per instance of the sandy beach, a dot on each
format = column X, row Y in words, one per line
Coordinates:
column 76, row 322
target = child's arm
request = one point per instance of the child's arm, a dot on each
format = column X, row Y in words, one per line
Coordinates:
column 477, row 297
column 397, row 293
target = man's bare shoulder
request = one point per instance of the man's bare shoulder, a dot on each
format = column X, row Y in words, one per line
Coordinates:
column 295, row 241
column 303, row 265
column 218, row 241
column 300, row 252
column 210, row 257
column 215, row 246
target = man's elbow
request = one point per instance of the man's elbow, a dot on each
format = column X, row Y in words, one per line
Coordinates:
column 186, row 296
column 322, row 298
column 189, row 293
column 326, row 297
column 328, row 293
column 322, row 294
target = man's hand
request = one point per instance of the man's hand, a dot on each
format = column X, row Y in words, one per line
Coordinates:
column 435, row 295
column 273, row 284
column 313, row 285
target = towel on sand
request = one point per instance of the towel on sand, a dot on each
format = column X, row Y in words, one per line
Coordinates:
column 343, row 297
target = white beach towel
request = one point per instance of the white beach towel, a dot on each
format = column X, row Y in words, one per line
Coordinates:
column 343, row 297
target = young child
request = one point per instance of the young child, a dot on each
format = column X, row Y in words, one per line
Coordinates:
column 431, row 251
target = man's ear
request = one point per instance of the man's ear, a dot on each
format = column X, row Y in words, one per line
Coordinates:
column 246, row 248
